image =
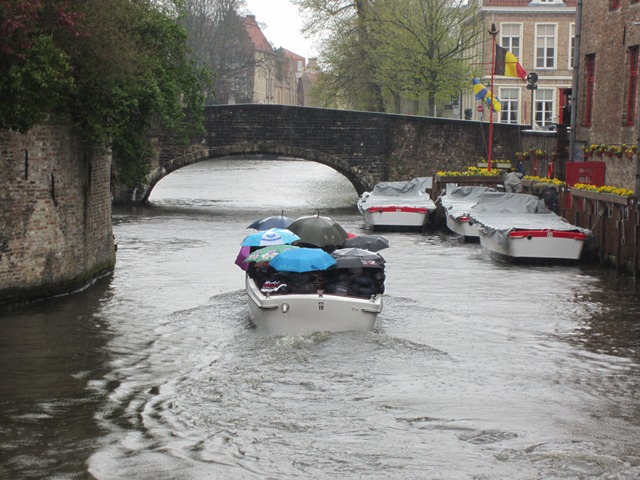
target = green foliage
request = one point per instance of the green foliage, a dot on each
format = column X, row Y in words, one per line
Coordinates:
column 118, row 70
column 413, row 51
column 35, row 85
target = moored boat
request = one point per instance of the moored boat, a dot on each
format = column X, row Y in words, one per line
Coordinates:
column 392, row 205
column 520, row 228
column 457, row 205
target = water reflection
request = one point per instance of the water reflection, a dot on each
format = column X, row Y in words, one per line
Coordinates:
column 49, row 350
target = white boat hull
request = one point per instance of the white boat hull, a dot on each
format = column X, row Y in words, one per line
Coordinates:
column 304, row 314
column 535, row 245
column 466, row 227
column 392, row 216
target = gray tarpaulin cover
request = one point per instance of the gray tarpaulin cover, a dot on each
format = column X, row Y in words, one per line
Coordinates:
column 497, row 215
column 460, row 200
column 408, row 194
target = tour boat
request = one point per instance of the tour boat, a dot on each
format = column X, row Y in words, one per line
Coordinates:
column 397, row 204
column 304, row 314
column 457, row 205
column 521, row 228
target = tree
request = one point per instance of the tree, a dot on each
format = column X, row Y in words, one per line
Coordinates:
column 428, row 45
column 350, row 75
column 117, row 70
column 217, row 36
column 412, row 50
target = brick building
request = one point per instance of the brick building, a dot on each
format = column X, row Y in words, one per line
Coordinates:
column 277, row 74
column 540, row 33
column 607, row 106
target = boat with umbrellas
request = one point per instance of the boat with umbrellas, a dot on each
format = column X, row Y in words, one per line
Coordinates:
column 299, row 288
column 398, row 205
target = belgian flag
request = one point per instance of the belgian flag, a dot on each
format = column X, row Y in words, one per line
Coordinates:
column 507, row 64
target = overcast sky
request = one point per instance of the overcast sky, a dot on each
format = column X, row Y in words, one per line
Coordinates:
column 281, row 25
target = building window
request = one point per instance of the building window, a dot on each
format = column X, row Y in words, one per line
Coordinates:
column 590, row 64
column 572, row 43
column 632, row 85
column 544, row 107
column 510, row 38
column 614, row 4
column 509, row 98
column 545, row 46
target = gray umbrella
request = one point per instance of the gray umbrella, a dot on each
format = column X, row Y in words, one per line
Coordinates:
column 319, row 231
column 357, row 258
column 373, row 243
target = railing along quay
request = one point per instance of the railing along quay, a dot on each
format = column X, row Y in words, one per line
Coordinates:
column 613, row 219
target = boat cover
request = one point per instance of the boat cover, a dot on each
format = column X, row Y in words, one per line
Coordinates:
column 497, row 215
column 410, row 194
column 460, row 200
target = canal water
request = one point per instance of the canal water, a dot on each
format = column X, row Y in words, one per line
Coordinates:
column 477, row 370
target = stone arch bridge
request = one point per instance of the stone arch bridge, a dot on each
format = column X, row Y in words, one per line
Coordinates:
column 365, row 147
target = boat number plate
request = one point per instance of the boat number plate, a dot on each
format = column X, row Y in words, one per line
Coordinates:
column 320, row 305
column 549, row 234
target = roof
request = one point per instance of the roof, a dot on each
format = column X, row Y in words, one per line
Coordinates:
column 258, row 39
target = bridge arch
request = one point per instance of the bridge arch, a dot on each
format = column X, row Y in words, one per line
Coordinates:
column 200, row 154
column 365, row 147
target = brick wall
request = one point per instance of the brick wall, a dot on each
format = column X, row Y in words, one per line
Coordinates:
column 365, row 147
column 55, row 213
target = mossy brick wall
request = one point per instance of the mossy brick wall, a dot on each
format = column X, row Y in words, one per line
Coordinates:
column 365, row 147
column 55, row 213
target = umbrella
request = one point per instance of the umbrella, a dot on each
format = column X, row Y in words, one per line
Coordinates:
column 276, row 221
column 274, row 236
column 373, row 243
column 357, row 258
column 266, row 254
column 302, row 260
column 319, row 231
column 242, row 255
column 483, row 93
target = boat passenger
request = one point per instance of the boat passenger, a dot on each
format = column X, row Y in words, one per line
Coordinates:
column 513, row 181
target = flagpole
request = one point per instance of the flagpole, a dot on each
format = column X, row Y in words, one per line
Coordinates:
column 493, row 32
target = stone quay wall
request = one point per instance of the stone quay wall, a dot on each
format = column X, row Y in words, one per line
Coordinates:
column 55, row 213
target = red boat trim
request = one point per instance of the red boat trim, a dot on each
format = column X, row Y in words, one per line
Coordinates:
column 547, row 233
column 398, row 209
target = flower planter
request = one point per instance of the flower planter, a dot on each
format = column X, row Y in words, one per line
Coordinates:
column 601, row 197
column 469, row 179
column 494, row 165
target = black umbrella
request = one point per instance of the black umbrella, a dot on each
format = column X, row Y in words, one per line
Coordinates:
column 276, row 221
column 319, row 231
column 357, row 258
column 372, row 243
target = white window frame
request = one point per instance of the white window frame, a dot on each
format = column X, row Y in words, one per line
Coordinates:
column 572, row 41
column 519, row 36
column 518, row 101
column 550, row 116
column 555, row 46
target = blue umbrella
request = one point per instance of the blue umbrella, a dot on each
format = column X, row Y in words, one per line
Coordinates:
column 302, row 260
column 274, row 236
